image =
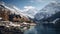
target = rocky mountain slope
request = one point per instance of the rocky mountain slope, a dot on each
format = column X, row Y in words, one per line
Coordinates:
column 6, row 10
column 48, row 11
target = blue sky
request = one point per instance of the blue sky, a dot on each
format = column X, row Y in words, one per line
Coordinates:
column 21, row 3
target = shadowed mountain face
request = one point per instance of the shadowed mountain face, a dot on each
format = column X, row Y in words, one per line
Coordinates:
column 53, row 17
column 48, row 11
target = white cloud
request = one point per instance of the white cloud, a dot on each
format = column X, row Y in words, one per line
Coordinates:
column 27, row 8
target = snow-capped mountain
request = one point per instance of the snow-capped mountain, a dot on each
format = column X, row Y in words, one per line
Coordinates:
column 49, row 10
column 28, row 11
column 12, row 10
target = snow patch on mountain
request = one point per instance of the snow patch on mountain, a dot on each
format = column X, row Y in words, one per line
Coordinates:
column 26, row 11
column 48, row 10
column 30, row 11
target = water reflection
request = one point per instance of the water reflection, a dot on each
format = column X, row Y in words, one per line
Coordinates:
column 42, row 29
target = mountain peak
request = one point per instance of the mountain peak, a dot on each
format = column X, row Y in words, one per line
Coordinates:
column 48, row 10
column 12, row 10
